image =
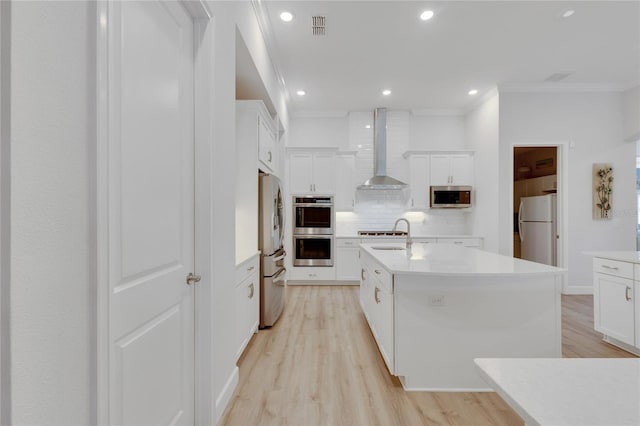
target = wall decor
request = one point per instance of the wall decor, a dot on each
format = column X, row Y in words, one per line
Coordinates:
column 602, row 190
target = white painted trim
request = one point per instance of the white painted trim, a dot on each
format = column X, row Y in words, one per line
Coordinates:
column 578, row 289
column 5, row 209
column 227, row 392
column 438, row 112
column 562, row 200
column 203, row 111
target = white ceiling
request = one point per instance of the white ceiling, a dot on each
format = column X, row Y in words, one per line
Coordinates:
column 374, row 45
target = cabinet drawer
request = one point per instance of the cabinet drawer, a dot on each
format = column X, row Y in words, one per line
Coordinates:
column 613, row 267
column 246, row 268
column 347, row 242
column 382, row 277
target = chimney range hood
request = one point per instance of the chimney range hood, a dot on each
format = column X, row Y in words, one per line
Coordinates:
column 380, row 180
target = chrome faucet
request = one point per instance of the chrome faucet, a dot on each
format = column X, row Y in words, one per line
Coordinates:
column 409, row 240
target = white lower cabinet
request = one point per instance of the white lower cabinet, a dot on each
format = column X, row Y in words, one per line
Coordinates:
column 247, row 302
column 464, row 242
column 347, row 259
column 376, row 300
column 616, row 311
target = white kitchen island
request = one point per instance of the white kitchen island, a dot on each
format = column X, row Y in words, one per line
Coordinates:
column 436, row 308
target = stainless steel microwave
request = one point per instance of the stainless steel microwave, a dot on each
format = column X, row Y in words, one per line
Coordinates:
column 450, row 197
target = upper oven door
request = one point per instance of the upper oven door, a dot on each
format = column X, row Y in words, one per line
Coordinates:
column 313, row 219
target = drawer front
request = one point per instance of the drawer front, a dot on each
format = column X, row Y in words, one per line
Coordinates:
column 383, row 277
column 464, row 242
column 348, row 242
column 248, row 267
column 613, row 267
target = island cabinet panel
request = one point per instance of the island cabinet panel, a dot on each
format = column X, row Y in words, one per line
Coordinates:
column 613, row 307
column 443, row 323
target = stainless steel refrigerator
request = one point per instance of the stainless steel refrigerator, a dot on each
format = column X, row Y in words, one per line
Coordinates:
column 538, row 229
column 270, row 240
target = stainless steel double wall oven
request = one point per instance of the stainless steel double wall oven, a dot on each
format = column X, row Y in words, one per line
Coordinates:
column 313, row 229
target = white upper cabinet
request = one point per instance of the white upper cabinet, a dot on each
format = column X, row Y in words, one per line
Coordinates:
column 345, row 197
column 258, row 127
column 419, row 181
column 451, row 169
column 312, row 172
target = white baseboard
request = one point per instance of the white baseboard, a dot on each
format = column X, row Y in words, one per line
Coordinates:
column 227, row 392
column 578, row 289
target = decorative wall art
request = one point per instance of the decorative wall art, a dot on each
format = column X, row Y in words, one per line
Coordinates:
column 602, row 190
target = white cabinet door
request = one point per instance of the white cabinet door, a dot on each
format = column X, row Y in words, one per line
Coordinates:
column 347, row 264
column 301, row 172
column 324, row 173
column 266, row 145
column 461, row 169
column 613, row 307
column 344, row 199
column 247, row 312
column 419, row 182
column 451, row 169
column 440, row 170
column 384, row 318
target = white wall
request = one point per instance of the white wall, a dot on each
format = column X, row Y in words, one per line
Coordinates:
column 52, row 287
column 594, row 123
column 631, row 114
column 319, row 131
column 482, row 137
column 437, row 132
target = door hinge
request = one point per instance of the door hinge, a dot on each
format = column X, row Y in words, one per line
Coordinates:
column 193, row 278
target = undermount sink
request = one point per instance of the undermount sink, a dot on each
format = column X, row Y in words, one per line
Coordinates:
column 387, row 248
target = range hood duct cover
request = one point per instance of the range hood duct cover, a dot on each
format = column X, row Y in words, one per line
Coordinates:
column 380, row 180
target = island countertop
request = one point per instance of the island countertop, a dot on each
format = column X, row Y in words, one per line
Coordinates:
column 450, row 260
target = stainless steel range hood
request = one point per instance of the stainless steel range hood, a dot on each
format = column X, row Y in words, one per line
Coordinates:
column 380, row 180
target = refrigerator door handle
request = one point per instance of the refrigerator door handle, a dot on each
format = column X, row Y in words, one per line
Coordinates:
column 520, row 222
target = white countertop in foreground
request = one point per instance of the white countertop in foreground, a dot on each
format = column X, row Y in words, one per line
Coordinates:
column 452, row 260
column 577, row 391
column 624, row 256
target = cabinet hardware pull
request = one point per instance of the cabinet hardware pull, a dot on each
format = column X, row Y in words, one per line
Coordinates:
column 270, row 156
column 377, row 272
column 627, row 293
column 251, row 291
column 614, row 268
column 251, row 269
column 193, row 278
column 362, row 274
column 375, row 295
column 311, row 187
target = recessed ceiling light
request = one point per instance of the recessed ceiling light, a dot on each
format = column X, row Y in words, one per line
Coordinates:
column 567, row 13
column 386, row 92
column 426, row 15
column 286, row 16
column 473, row 92
column 301, row 93
column 368, row 126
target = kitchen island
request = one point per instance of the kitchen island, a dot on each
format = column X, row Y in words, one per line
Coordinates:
column 433, row 309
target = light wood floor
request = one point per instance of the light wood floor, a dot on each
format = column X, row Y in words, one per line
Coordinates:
column 319, row 365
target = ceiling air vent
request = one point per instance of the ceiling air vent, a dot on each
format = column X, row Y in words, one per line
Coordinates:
column 318, row 25
column 557, row 76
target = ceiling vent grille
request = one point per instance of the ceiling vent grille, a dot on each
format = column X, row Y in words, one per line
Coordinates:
column 557, row 76
column 318, row 25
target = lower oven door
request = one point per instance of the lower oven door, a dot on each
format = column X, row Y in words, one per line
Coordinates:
column 313, row 250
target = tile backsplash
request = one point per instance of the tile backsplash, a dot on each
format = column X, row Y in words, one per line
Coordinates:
column 378, row 210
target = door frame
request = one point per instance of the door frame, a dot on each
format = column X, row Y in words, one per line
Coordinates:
column 203, row 111
column 5, row 211
column 562, row 207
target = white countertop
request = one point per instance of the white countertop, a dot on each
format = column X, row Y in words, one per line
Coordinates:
column 402, row 237
column 562, row 391
column 624, row 256
column 453, row 260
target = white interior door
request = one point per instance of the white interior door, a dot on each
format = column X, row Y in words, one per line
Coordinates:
column 151, row 213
